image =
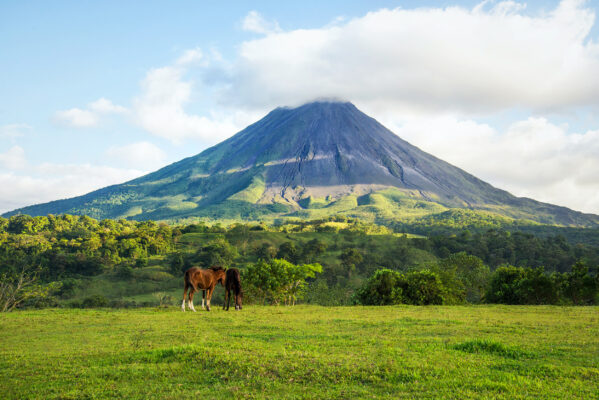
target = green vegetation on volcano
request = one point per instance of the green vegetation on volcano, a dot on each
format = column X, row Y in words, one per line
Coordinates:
column 318, row 160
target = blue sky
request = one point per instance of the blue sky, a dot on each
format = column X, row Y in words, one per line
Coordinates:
column 95, row 93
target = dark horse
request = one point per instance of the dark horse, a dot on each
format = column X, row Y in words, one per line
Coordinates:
column 233, row 283
column 201, row 279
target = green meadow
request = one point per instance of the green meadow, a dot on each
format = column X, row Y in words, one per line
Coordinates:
column 306, row 351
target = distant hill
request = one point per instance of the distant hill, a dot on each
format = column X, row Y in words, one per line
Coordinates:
column 319, row 159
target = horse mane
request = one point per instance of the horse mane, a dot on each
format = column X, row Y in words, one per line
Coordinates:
column 216, row 268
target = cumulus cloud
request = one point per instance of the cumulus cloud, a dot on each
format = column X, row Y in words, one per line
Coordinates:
column 189, row 57
column 85, row 118
column 160, row 108
column 14, row 158
column 26, row 183
column 105, row 106
column 255, row 22
column 143, row 155
column 480, row 60
column 531, row 158
column 76, row 118
column 13, row 131
column 47, row 182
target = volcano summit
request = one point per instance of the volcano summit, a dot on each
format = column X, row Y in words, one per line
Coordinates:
column 322, row 158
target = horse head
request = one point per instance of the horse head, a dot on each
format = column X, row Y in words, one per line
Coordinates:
column 219, row 274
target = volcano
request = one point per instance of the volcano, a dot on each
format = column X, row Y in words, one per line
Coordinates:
column 322, row 158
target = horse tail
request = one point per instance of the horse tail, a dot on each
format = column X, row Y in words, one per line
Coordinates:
column 188, row 282
column 236, row 280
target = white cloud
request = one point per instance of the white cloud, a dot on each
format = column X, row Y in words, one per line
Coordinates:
column 189, row 57
column 76, row 118
column 143, row 155
column 255, row 22
column 472, row 61
column 160, row 108
column 47, row 182
column 14, row 158
column 531, row 158
column 13, row 131
column 25, row 183
column 105, row 106
column 90, row 117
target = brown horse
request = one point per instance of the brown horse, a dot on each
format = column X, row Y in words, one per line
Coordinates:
column 233, row 283
column 202, row 279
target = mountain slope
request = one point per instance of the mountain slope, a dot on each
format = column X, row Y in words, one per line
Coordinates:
column 318, row 159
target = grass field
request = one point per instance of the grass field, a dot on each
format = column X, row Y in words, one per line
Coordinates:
column 302, row 352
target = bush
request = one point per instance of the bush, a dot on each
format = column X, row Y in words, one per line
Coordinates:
column 423, row 288
column 279, row 281
column 579, row 286
column 120, row 303
column 388, row 287
column 516, row 285
column 94, row 301
column 383, row 288
column 124, row 271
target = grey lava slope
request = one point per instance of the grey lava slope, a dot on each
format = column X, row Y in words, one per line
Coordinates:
column 318, row 156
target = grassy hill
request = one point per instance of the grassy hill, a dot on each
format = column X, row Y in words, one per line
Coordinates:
column 502, row 352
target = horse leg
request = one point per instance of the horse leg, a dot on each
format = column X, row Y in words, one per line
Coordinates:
column 191, row 292
column 226, row 303
column 208, row 297
column 184, row 293
column 203, row 299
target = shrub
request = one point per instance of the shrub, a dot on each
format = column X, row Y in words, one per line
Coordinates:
column 383, row 288
column 388, row 287
column 423, row 288
column 516, row 285
column 579, row 286
column 279, row 281
column 94, row 301
column 503, row 285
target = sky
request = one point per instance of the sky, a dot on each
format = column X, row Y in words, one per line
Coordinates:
column 97, row 93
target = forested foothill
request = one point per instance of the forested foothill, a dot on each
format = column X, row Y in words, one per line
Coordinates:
column 77, row 261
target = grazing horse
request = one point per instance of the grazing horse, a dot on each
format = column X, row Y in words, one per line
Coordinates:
column 233, row 283
column 202, row 279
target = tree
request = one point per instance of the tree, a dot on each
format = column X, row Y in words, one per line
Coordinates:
column 17, row 287
column 216, row 253
column 288, row 251
column 280, row 281
column 503, row 285
column 176, row 263
column 423, row 288
column 536, row 287
column 312, row 249
column 350, row 258
column 381, row 289
column 580, row 286
column 517, row 285
column 465, row 275
column 266, row 251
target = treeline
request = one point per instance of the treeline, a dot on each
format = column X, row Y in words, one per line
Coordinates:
column 462, row 278
column 65, row 245
column 498, row 247
column 338, row 257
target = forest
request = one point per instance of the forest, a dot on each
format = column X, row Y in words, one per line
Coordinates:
column 77, row 261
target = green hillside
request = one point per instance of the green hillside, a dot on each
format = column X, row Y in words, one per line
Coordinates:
column 318, row 160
